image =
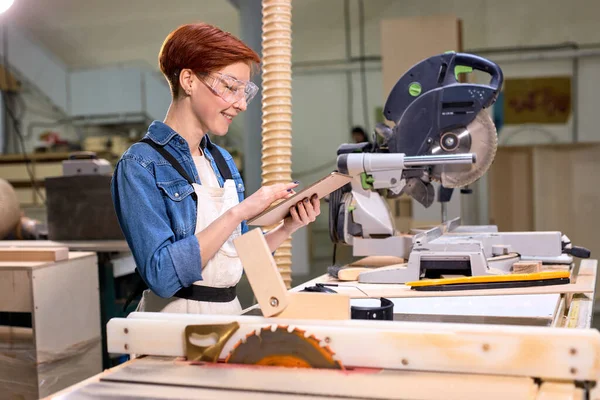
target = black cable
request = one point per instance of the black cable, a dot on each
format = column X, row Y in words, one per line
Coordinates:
column 363, row 72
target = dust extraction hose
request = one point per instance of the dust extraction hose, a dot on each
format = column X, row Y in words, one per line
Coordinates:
column 277, row 108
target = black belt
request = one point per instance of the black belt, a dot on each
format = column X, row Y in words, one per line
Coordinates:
column 207, row 294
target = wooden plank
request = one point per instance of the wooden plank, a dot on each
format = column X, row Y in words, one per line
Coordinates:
column 261, row 270
column 377, row 261
column 76, row 245
column 32, row 265
column 34, row 254
column 15, row 291
column 286, row 382
column 542, row 352
column 316, row 306
column 35, row 157
column 527, row 267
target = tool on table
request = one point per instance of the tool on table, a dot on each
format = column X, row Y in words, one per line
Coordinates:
column 543, row 278
column 442, row 132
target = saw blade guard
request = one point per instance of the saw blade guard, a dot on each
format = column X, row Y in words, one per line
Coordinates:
column 435, row 114
column 437, row 72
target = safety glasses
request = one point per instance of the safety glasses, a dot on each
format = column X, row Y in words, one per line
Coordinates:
column 230, row 89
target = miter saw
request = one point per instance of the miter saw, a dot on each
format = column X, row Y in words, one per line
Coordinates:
column 441, row 132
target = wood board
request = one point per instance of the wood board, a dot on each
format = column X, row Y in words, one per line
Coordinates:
column 261, row 270
column 32, row 265
column 276, row 213
column 75, row 245
column 34, row 254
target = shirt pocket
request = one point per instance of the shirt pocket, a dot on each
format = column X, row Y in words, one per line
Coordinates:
column 181, row 208
column 176, row 190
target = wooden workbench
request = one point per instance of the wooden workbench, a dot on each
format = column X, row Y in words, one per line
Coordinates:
column 559, row 306
column 63, row 344
column 170, row 377
column 114, row 259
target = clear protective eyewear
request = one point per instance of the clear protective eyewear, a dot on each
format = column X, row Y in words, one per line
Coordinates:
column 230, row 89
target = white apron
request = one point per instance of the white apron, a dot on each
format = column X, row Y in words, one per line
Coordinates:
column 223, row 270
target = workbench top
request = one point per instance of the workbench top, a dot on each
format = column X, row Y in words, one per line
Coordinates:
column 34, row 265
column 74, row 245
column 585, row 283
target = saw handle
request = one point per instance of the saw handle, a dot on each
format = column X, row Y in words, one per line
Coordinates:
column 478, row 63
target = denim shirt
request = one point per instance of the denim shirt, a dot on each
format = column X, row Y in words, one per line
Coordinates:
column 157, row 212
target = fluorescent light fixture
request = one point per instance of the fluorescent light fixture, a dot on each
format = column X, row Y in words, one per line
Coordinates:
column 5, row 5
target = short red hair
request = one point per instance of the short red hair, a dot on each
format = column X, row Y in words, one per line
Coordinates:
column 202, row 48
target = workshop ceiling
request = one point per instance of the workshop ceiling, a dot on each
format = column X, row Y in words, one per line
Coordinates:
column 92, row 33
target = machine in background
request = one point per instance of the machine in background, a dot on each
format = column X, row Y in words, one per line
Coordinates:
column 442, row 132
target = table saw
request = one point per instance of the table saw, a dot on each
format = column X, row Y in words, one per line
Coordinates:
column 308, row 354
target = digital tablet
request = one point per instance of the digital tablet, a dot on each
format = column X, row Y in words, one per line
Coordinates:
column 275, row 214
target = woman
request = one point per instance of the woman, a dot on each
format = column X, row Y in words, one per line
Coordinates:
column 178, row 197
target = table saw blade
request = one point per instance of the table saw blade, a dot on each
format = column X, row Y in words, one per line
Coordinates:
column 284, row 348
column 479, row 137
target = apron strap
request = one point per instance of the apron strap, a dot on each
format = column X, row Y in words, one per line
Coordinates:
column 169, row 157
column 218, row 157
column 222, row 166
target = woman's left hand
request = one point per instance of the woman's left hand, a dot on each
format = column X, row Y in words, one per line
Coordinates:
column 302, row 214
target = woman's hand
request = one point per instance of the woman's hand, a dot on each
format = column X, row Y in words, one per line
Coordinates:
column 263, row 198
column 302, row 214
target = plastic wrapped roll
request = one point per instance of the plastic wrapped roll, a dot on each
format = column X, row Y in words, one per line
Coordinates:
column 10, row 211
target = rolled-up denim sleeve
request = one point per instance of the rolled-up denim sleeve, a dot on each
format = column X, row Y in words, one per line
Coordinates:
column 166, row 264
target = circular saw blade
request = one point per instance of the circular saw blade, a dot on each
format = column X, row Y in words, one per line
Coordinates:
column 483, row 140
column 284, row 348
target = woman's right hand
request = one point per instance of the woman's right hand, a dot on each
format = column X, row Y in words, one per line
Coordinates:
column 263, row 198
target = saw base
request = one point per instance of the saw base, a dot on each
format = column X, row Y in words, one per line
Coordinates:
column 167, row 378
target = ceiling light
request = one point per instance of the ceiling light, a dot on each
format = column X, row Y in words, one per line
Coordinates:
column 5, row 5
